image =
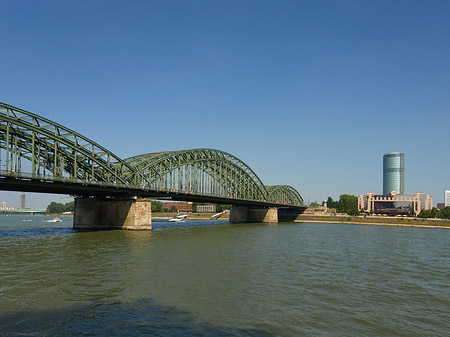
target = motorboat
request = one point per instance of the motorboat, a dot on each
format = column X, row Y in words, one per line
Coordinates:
column 217, row 216
column 55, row 220
column 176, row 220
column 179, row 218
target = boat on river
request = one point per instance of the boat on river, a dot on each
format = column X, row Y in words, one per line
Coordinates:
column 55, row 220
column 217, row 216
column 178, row 218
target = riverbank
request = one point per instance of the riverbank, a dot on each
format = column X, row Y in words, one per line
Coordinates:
column 192, row 216
column 376, row 220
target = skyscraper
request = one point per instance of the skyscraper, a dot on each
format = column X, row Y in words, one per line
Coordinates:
column 22, row 200
column 447, row 198
column 394, row 173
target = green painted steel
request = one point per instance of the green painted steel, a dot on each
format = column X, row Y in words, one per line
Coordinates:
column 34, row 147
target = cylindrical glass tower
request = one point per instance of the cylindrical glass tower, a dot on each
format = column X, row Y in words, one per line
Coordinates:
column 394, row 173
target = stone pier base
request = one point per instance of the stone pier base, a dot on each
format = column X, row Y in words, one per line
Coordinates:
column 112, row 213
column 246, row 214
column 289, row 214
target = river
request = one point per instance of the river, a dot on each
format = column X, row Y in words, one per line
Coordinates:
column 211, row 278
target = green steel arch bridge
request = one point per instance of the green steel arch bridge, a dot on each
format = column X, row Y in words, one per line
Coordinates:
column 39, row 155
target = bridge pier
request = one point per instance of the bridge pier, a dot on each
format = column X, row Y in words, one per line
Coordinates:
column 247, row 214
column 289, row 214
column 112, row 213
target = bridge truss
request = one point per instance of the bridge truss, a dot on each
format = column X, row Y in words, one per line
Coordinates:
column 40, row 152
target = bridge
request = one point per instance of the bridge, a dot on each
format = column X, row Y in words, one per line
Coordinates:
column 39, row 155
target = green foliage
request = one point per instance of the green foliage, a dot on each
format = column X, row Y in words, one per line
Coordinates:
column 435, row 213
column 55, row 207
column 424, row 214
column 346, row 204
column 221, row 208
column 445, row 213
column 156, row 206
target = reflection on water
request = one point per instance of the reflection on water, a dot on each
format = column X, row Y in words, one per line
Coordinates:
column 138, row 318
column 223, row 280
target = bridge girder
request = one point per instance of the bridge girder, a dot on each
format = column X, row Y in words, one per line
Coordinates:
column 201, row 171
column 55, row 150
column 34, row 147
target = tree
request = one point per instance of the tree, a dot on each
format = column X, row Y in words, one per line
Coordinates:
column 56, row 207
column 348, row 204
column 435, row 212
column 445, row 213
column 221, row 207
column 156, row 206
column 331, row 203
column 425, row 214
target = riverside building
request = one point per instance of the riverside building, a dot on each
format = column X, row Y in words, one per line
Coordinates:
column 394, row 173
column 393, row 201
column 22, row 200
column 447, row 198
column 394, row 204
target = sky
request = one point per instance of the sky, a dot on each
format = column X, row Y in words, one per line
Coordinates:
column 308, row 93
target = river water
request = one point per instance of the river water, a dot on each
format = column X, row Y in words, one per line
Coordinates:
column 291, row 279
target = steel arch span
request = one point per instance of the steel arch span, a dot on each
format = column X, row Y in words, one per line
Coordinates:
column 35, row 149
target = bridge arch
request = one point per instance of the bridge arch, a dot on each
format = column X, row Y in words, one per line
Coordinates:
column 284, row 194
column 34, row 147
column 199, row 171
column 43, row 148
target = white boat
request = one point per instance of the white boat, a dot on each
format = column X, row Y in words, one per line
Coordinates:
column 217, row 216
column 176, row 220
column 55, row 220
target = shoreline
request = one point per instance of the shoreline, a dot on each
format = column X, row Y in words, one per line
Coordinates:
column 403, row 222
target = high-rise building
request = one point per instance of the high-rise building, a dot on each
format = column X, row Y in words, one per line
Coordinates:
column 22, row 200
column 394, row 173
column 447, row 198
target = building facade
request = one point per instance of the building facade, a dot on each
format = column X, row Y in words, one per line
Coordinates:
column 447, row 198
column 211, row 208
column 394, row 173
column 177, row 206
column 394, row 204
column 22, row 200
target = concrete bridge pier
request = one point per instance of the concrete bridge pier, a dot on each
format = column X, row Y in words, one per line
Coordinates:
column 247, row 214
column 289, row 214
column 112, row 213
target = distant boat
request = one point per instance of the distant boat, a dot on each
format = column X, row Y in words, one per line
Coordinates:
column 176, row 220
column 217, row 216
column 179, row 218
column 55, row 220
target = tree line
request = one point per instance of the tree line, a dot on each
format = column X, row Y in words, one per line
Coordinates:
column 56, row 207
column 346, row 204
column 443, row 213
column 349, row 204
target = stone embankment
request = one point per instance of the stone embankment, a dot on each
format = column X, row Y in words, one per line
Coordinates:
column 376, row 220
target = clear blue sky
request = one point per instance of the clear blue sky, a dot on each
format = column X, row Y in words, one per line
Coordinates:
column 307, row 93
